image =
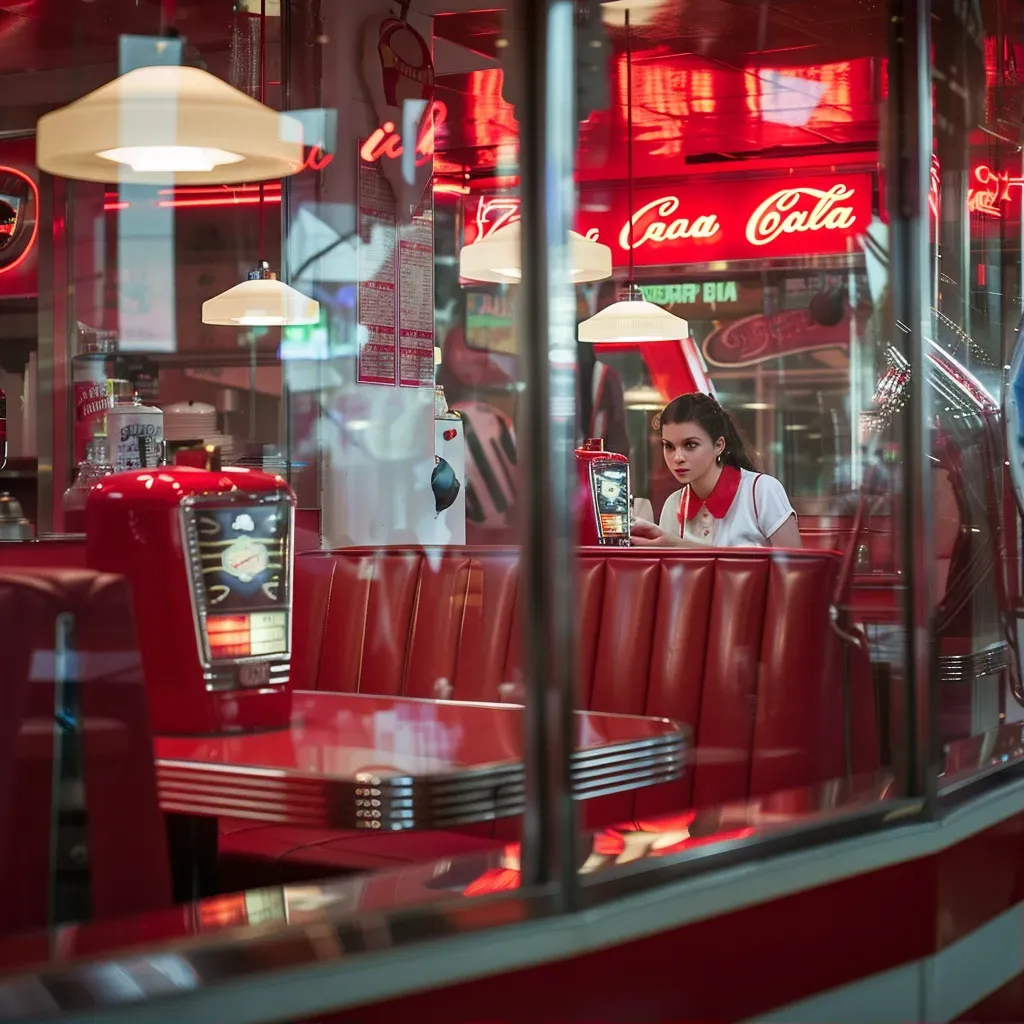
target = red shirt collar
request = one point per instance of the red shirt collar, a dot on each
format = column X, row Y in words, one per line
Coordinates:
column 718, row 502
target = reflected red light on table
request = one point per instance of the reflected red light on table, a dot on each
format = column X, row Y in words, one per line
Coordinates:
column 690, row 842
column 495, row 880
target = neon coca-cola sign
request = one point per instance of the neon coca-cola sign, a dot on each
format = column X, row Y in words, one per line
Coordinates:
column 651, row 224
column 789, row 212
column 748, row 219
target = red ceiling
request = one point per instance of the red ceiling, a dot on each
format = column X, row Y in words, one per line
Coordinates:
column 712, row 80
column 38, row 35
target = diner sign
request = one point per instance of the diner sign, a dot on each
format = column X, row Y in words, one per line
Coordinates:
column 756, row 339
column 708, row 300
column 730, row 220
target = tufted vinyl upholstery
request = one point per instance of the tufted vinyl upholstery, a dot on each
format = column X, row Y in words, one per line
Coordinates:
column 127, row 855
column 736, row 643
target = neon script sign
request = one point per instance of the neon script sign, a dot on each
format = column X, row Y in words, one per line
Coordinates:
column 781, row 213
column 649, row 225
column 317, row 159
column 386, row 141
column 727, row 220
column 988, row 191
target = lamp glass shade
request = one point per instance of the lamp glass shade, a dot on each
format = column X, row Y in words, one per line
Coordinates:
column 170, row 125
column 263, row 302
column 633, row 320
column 497, row 258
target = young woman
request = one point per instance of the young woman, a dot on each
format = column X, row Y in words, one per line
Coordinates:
column 723, row 501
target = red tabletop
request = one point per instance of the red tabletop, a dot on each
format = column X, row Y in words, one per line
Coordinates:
column 354, row 760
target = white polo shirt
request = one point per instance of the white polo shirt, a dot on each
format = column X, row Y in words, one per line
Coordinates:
column 727, row 519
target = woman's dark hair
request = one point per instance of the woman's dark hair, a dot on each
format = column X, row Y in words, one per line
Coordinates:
column 714, row 421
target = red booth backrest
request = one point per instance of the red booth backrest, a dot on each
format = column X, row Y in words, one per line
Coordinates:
column 126, row 838
column 737, row 644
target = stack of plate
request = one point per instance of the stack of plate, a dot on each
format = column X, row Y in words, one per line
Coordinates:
column 197, row 422
column 189, row 421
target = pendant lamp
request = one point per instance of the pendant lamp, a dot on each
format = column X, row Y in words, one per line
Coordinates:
column 642, row 12
column 168, row 125
column 632, row 319
column 497, row 258
column 261, row 300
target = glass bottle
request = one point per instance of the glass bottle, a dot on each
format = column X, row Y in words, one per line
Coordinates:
column 91, row 470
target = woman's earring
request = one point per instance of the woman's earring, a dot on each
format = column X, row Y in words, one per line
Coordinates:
column 718, row 458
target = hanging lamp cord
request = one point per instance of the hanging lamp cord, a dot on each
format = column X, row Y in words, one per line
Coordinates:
column 629, row 150
column 263, row 100
column 167, row 19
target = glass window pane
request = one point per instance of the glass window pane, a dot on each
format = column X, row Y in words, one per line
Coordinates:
column 975, row 292
column 741, row 188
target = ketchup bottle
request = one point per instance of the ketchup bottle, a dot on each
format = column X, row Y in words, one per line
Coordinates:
column 3, row 429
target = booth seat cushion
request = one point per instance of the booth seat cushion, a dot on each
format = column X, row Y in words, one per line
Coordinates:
column 40, row 610
column 735, row 643
column 410, row 622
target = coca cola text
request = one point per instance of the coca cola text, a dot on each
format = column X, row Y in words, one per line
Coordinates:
column 795, row 210
column 712, row 221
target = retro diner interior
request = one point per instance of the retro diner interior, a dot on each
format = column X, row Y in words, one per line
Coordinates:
column 308, row 656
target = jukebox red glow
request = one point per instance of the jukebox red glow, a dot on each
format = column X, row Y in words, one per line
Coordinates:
column 209, row 555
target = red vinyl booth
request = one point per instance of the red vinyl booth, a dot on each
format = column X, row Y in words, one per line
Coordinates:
column 89, row 615
column 738, row 644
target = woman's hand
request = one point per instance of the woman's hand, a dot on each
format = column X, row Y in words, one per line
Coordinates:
column 649, row 535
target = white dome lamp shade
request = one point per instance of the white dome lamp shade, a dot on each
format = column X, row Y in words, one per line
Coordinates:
column 497, row 258
column 633, row 319
column 169, row 125
column 261, row 301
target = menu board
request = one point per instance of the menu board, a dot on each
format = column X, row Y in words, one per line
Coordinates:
column 378, row 277
column 416, row 299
